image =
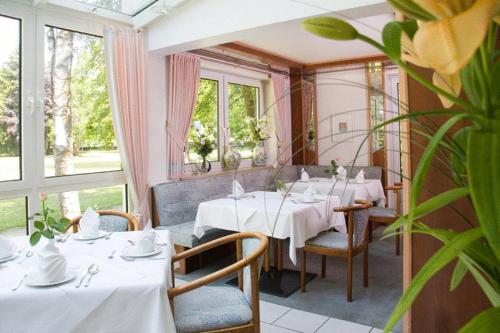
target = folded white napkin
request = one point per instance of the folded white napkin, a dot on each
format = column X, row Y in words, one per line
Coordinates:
column 341, row 173
column 360, row 177
column 51, row 264
column 238, row 190
column 89, row 223
column 7, row 247
column 304, row 176
column 148, row 226
column 145, row 244
column 309, row 193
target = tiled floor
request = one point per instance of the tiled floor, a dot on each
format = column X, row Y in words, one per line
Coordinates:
column 281, row 319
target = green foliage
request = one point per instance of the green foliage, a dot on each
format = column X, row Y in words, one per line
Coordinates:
column 332, row 170
column 485, row 322
column 9, row 106
column 46, row 225
column 243, row 104
column 331, row 28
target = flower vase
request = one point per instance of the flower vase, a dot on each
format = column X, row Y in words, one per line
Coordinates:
column 205, row 166
column 259, row 154
column 232, row 158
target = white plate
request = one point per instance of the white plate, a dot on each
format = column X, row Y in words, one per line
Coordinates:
column 243, row 196
column 34, row 280
column 14, row 256
column 82, row 237
column 309, row 201
column 303, row 181
column 139, row 255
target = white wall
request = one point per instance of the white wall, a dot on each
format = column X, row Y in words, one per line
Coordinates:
column 339, row 99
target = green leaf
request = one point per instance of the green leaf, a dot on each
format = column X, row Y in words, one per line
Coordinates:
column 51, row 221
column 410, row 27
column 439, row 201
column 391, row 36
column 39, row 225
column 440, row 259
column 485, row 322
column 458, row 274
column 484, row 158
column 35, row 238
column 331, row 28
column 456, row 160
column 411, row 9
column 48, row 234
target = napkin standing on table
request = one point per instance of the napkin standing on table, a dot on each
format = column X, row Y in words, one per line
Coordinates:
column 304, row 176
column 7, row 247
column 341, row 173
column 309, row 193
column 89, row 223
column 238, row 190
column 360, row 177
column 51, row 264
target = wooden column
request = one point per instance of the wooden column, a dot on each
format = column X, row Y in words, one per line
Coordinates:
column 297, row 116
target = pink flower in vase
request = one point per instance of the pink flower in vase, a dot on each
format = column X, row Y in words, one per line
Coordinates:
column 43, row 196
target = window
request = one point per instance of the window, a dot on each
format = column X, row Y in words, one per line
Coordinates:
column 243, row 102
column 79, row 136
column 113, row 198
column 13, row 216
column 222, row 105
column 376, row 96
column 206, row 112
column 10, row 99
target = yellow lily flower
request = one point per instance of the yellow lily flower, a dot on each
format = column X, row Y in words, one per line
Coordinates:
column 448, row 43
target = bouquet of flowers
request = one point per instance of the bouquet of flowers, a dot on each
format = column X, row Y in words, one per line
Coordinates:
column 202, row 141
column 332, row 170
column 258, row 129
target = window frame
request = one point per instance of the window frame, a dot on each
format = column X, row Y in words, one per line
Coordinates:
column 33, row 180
column 224, row 79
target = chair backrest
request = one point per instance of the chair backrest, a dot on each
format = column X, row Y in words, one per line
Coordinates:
column 111, row 221
column 397, row 189
column 357, row 230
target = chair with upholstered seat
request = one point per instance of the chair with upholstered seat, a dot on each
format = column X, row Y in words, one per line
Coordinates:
column 338, row 244
column 111, row 221
column 386, row 215
column 201, row 308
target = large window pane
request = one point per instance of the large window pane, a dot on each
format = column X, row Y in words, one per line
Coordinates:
column 243, row 102
column 206, row 114
column 10, row 99
column 13, row 217
column 79, row 136
column 113, row 198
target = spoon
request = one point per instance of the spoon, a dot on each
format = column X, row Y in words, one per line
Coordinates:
column 20, row 282
column 112, row 255
column 84, row 275
column 91, row 242
column 108, row 235
column 93, row 270
column 29, row 254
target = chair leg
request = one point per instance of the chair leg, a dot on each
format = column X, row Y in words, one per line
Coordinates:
column 267, row 264
column 303, row 272
column 349, row 278
column 365, row 267
column 398, row 240
column 370, row 231
column 323, row 266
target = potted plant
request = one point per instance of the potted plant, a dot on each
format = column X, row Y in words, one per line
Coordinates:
column 203, row 142
column 332, row 169
column 458, row 41
column 259, row 130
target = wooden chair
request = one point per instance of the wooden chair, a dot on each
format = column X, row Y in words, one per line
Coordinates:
column 198, row 308
column 342, row 245
column 386, row 215
column 111, row 221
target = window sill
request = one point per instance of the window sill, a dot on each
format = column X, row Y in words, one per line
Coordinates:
column 187, row 176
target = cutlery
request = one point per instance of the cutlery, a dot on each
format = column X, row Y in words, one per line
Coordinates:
column 93, row 270
column 127, row 258
column 112, row 255
column 20, row 282
column 22, row 249
column 108, row 235
column 28, row 254
column 91, row 242
column 87, row 272
column 131, row 242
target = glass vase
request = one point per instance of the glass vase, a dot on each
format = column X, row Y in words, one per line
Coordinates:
column 259, row 154
column 204, row 166
column 232, row 158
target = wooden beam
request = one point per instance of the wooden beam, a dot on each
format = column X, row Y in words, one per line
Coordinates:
column 263, row 55
column 349, row 61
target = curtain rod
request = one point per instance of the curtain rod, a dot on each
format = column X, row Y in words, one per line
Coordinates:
column 230, row 60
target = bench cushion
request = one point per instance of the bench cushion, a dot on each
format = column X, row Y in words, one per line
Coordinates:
column 211, row 308
column 182, row 234
column 382, row 212
column 329, row 239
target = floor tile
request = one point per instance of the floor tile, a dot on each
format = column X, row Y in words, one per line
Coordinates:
column 301, row 321
column 341, row 326
column 270, row 312
column 268, row 328
column 179, row 282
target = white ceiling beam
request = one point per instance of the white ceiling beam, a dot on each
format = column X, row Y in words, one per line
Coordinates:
column 211, row 22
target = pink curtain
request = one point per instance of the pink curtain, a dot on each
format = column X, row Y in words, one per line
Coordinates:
column 127, row 67
column 184, row 77
column 279, row 94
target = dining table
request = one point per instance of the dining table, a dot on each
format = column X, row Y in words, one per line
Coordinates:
column 272, row 214
column 370, row 189
column 126, row 295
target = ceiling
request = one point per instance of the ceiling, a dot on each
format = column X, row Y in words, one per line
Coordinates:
column 291, row 41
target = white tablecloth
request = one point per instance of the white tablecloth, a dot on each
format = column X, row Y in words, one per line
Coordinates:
column 125, row 296
column 272, row 215
column 371, row 190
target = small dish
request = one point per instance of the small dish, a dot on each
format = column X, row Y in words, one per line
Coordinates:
column 82, row 237
column 34, row 280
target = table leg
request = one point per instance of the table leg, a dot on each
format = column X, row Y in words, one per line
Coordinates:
column 279, row 254
column 267, row 265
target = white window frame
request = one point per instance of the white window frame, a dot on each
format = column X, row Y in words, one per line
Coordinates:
column 223, row 80
column 33, row 180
